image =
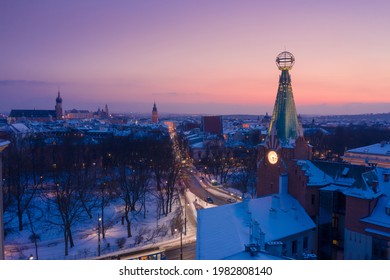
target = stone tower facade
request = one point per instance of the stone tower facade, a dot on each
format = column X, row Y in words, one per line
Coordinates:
column 58, row 106
column 285, row 143
column 154, row 114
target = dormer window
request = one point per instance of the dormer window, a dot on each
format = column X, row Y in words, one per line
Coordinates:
column 387, row 209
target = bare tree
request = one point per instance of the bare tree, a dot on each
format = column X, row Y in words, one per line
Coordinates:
column 66, row 194
column 219, row 161
column 246, row 170
column 21, row 188
column 107, row 193
column 132, row 182
column 167, row 170
column 34, row 237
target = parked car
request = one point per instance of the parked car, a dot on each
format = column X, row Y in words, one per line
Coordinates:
column 231, row 200
column 209, row 200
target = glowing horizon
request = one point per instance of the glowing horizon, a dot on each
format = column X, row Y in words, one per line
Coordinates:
column 194, row 55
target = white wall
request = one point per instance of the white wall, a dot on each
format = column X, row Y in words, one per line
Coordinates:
column 357, row 246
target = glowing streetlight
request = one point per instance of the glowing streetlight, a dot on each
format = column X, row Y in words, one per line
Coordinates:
column 99, row 221
column 181, row 241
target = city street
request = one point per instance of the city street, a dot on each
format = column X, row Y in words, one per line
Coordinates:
column 189, row 252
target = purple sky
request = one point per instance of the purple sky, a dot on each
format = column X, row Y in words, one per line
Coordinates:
column 194, row 56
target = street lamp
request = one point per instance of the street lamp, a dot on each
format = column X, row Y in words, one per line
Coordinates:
column 3, row 144
column 99, row 220
column 181, row 241
column 186, row 204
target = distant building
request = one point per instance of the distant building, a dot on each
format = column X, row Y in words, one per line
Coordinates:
column 78, row 114
column 266, row 120
column 373, row 155
column 37, row 115
column 58, row 107
column 154, row 114
column 102, row 113
column 212, row 125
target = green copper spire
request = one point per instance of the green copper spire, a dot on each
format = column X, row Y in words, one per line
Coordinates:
column 284, row 118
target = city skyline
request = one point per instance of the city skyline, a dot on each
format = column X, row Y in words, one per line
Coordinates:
column 194, row 57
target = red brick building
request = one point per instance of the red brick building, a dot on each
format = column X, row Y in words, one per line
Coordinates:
column 350, row 204
column 212, row 124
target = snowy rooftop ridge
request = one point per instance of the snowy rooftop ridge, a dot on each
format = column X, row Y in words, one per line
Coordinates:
column 225, row 230
column 352, row 180
column 382, row 148
column 316, row 176
column 379, row 216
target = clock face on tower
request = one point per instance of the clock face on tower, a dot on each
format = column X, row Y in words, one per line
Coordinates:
column 272, row 157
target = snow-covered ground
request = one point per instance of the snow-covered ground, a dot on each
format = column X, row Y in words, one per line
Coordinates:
column 148, row 231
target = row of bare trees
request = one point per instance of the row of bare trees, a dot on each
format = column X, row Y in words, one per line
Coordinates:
column 77, row 177
column 221, row 161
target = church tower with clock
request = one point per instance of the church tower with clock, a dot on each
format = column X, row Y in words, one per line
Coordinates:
column 285, row 143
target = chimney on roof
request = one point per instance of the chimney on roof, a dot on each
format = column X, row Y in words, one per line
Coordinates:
column 375, row 186
column 283, row 184
column 275, row 248
column 386, row 177
column 257, row 235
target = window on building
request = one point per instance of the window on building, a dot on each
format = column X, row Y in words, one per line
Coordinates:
column 335, row 221
column 379, row 249
column 305, row 243
column 294, row 247
column 313, row 199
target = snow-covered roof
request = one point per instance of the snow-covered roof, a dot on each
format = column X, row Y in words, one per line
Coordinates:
column 377, row 149
column 225, row 230
column 20, row 127
column 198, row 145
column 378, row 232
column 316, row 177
column 378, row 215
column 334, row 188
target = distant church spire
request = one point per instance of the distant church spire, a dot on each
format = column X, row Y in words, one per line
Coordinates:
column 284, row 118
column 154, row 114
column 58, row 106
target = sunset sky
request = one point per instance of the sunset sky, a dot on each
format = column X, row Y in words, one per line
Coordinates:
column 194, row 56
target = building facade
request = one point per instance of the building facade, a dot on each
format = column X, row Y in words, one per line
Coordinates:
column 285, row 143
column 350, row 203
column 376, row 154
column 154, row 113
column 58, row 107
column 17, row 115
column 212, row 125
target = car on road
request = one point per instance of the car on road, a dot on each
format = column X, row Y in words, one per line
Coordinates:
column 209, row 200
column 231, row 200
